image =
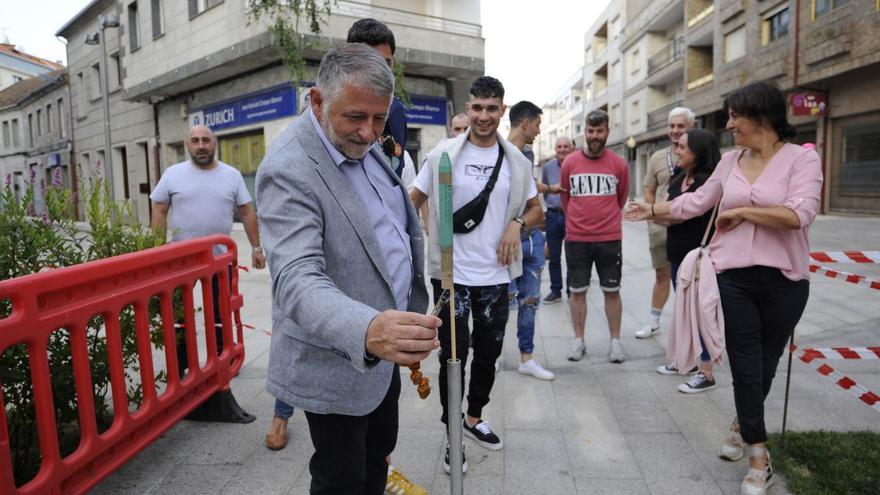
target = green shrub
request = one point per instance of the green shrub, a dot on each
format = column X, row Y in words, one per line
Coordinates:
column 32, row 241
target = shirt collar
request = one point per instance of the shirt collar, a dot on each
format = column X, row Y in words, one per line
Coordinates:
column 335, row 154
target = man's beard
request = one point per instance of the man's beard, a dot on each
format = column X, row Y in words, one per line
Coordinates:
column 347, row 148
column 599, row 145
column 203, row 160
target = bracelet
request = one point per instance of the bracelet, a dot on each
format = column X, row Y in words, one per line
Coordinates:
column 652, row 210
column 521, row 221
column 257, row 249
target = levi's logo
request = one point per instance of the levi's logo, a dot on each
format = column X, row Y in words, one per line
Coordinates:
column 592, row 185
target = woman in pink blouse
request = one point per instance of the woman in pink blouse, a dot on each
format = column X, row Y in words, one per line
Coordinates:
column 769, row 192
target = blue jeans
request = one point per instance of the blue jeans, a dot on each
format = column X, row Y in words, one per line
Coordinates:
column 529, row 287
column 283, row 410
column 673, row 268
column 555, row 226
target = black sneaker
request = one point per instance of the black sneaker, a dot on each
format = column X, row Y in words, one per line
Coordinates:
column 698, row 383
column 482, row 433
column 553, row 297
column 464, row 465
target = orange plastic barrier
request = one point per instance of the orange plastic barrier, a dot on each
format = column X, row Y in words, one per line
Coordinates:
column 68, row 298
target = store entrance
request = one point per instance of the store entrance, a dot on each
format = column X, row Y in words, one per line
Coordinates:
column 244, row 152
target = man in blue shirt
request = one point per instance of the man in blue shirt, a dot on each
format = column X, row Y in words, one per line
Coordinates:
column 555, row 218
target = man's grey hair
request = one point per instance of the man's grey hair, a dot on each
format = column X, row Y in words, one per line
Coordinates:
column 356, row 64
column 686, row 112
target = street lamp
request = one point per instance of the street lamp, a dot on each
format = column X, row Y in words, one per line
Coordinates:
column 99, row 38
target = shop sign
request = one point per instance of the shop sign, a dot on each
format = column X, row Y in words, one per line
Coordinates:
column 808, row 103
column 428, row 110
column 270, row 104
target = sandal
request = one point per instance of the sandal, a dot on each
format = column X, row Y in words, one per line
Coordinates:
column 757, row 481
column 732, row 448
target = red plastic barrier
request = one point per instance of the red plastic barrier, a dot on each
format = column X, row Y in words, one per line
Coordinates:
column 68, row 298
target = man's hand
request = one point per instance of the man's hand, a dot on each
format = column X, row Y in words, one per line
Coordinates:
column 508, row 248
column 636, row 211
column 402, row 337
column 258, row 259
column 556, row 189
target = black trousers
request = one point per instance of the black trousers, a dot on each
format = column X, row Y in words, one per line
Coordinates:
column 761, row 309
column 180, row 333
column 489, row 306
column 350, row 451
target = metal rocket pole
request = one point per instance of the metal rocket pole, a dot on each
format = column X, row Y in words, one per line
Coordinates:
column 453, row 366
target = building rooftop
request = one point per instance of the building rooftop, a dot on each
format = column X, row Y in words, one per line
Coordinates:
column 19, row 91
column 11, row 50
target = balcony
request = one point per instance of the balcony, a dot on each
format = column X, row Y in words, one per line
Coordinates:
column 701, row 81
column 667, row 55
column 657, row 16
column 701, row 15
column 657, row 118
column 403, row 18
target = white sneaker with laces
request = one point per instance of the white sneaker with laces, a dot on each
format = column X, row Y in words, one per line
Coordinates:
column 533, row 368
column 578, row 349
column 615, row 352
column 647, row 331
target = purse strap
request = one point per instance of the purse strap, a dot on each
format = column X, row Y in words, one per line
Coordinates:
column 494, row 177
column 715, row 210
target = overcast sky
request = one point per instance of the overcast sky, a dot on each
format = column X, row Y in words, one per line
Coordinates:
column 532, row 47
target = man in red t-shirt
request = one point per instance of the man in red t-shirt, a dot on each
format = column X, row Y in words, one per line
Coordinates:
column 597, row 182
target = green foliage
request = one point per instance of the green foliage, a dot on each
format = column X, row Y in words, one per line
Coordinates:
column 30, row 243
column 820, row 462
column 285, row 17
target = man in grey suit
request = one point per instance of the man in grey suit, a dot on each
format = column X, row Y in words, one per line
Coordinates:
column 345, row 252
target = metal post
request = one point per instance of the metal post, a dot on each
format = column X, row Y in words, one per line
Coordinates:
column 108, row 149
column 456, row 453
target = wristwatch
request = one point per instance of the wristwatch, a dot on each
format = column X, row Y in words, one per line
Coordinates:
column 257, row 249
column 521, row 221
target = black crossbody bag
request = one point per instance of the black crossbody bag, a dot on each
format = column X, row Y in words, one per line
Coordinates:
column 469, row 216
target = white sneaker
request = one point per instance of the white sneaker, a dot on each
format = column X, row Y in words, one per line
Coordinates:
column 615, row 352
column 671, row 369
column 533, row 368
column 647, row 331
column 578, row 349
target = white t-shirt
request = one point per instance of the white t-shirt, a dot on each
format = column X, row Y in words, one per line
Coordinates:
column 475, row 258
column 408, row 174
column 202, row 201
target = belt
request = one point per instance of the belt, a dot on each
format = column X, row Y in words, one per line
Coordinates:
column 555, row 210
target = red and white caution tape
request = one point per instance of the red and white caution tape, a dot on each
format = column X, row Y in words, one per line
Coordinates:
column 251, row 327
column 811, row 357
column 840, row 353
column 847, row 277
column 846, row 256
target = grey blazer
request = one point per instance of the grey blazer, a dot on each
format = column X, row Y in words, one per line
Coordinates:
column 328, row 277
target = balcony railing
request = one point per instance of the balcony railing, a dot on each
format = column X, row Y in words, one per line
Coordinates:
column 668, row 54
column 658, row 117
column 702, row 81
column 404, row 18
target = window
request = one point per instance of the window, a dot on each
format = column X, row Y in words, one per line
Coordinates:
column 134, row 40
column 94, row 82
column 114, row 72
column 15, row 133
column 615, row 116
column 775, row 26
column 49, row 118
column 822, row 7
column 61, row 126
column 634, row 113
column 196, row 7
column 156, row 14
column 39, row 122
column 80, row 90
column 614, row 72
column 860, row 160
column 7, row 141
column 31, row 129
column 634, row 62
column 735, row 44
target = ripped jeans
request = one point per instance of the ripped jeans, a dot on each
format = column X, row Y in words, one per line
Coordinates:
column 529, row 285
column 489, row 307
